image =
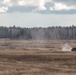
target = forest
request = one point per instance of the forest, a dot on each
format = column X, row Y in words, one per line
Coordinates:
column 39, row 33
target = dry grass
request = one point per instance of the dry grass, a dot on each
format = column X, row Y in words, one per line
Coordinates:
column 22, row 57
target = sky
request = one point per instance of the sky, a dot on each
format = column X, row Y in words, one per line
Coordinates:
column 37, row 13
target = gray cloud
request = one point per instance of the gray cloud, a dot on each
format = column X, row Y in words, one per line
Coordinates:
column 48, row 5
column 64, row 12
column 21, row 9
column 58, row 12
column 39, row 6
column 68, row 2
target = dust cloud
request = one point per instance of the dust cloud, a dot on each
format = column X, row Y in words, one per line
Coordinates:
column 66, row 47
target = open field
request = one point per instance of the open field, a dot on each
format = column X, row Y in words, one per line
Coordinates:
column 22, row 57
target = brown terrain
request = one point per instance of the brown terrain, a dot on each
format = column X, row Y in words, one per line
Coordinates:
column 36, row 57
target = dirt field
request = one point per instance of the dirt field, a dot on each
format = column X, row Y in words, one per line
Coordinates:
column 22, row 57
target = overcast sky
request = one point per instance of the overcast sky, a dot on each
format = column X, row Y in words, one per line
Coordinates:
column 37, row 13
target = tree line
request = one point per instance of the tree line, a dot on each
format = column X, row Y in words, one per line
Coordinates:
column 49, row 33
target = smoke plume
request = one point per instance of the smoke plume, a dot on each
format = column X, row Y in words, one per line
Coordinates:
column 66, row 47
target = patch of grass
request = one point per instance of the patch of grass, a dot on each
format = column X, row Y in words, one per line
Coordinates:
column 36, row 58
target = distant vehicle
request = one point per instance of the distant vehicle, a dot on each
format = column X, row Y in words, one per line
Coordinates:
column 73, row 49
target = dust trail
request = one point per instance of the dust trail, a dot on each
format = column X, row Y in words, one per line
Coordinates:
column 66, row 47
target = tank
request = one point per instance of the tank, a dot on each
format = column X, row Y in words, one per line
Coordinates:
column 73, row 49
